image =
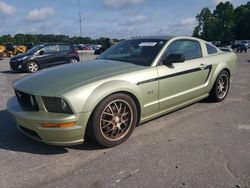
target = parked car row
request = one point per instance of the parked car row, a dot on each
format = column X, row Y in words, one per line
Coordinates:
column 232, row 45
column 87, row 47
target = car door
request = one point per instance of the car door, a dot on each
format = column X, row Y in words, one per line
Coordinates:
column 48, row 55
column 182, row 81
column 63, row 53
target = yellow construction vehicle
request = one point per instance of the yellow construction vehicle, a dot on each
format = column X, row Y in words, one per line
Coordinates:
column 2, row 50
column 8, row 50
column 19, row 49
column 5, row 52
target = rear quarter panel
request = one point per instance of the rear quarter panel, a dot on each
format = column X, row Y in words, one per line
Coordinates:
column 221, row 61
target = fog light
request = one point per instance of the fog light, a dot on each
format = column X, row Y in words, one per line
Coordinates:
column 60, row 125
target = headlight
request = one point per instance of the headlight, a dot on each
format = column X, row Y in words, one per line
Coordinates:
column 23, row 58
column 57, row 105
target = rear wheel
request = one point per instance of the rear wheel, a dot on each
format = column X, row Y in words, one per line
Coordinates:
column 113, row 120
column 221, row 87
column 32, row 67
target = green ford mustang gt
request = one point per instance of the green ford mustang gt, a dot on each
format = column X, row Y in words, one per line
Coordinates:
column 130, row 83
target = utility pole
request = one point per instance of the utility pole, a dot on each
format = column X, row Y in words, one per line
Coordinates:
column 80, row 21
column 80, row 17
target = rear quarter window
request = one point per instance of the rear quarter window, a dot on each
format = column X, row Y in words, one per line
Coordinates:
column 63, row 47
column 211, row 49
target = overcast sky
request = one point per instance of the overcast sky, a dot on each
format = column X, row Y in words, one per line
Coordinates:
column 109, row 18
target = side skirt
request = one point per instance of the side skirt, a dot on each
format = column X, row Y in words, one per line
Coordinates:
column 171, row 109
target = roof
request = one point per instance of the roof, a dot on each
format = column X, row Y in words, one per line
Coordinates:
column 54, row 43
column 167, row 37
column 159, row 37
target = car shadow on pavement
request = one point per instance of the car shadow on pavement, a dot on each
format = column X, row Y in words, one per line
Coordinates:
column 11, row 139
column 206, row 101
column 12, row 72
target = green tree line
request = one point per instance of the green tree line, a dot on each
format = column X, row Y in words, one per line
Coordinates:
column 224, row 23
column 22, row 39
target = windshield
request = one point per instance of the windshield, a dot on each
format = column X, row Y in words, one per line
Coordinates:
column 34, row 49
column 136, row 51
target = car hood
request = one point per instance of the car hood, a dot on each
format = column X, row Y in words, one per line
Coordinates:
column 58, row 80
column 19, row 56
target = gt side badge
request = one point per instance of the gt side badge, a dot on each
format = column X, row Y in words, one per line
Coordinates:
column 150, row 92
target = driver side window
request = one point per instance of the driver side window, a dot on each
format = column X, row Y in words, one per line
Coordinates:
column 49, row 49
column 189, row 48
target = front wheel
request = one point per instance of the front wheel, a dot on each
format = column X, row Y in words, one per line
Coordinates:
column 73, row 60
column 32, row 67
column 221, row 87
column 113, row 120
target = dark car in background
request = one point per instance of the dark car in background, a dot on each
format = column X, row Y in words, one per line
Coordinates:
column 240, row 47
column 247, row 44
column 224, row 45
column 43, row 56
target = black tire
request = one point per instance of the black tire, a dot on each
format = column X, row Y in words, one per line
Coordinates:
column 32, row 67
column 113, row 120
column 220, row 88
column 73, row 60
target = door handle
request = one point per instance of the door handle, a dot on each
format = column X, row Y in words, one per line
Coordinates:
column 203, row 66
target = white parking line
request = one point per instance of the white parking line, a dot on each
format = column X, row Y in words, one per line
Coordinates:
column 244, row 126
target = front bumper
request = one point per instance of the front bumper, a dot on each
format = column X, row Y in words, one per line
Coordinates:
column 29, row 123
column 14, row 65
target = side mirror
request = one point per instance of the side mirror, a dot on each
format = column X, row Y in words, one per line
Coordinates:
column 41, row 52
column 173, row 58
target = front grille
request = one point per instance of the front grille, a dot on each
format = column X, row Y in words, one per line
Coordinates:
column 13, row 65
column 27, row 101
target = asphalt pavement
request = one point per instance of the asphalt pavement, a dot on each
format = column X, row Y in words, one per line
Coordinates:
column 203, row 145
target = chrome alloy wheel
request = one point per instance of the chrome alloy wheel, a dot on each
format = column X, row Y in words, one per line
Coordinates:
column 32, row 67
column 222, row 86
column 116, row 120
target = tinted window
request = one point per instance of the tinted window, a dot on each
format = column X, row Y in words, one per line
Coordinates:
column 49, row 49
column 189, row 48
column 34, row 49
column 63, row 47
column 211, row 49
column 137, row 51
